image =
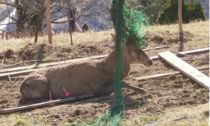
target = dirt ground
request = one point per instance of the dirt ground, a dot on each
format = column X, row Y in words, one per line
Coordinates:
column 163, row 92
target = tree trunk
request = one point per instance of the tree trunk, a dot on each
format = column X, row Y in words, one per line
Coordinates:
column 39, row 24
column 70, row 30
column 181, row 36
column 49, row 22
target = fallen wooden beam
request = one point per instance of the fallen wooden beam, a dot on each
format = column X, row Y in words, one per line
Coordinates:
column 25, row 70
column 16, row 73
column 156, row 48
column 163, row 75
column 197, row 51
column 67, row 58
column 58, row 101
column 35, row 66
column 185, row 68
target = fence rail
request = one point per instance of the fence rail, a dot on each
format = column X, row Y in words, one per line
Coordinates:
column 21, row 35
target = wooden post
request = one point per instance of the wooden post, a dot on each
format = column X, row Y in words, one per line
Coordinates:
column 32, row 34
column 49, row 23
column 70, row 15
column 23, row 34
column 11, row 35
column 2, row 35
column 7, row 36
column 19, row 34
column 29, row 35
column 180, row 25
column 15, row 35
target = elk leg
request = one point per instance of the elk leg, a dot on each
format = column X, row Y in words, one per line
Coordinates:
column 105, row 88
column 140, row 90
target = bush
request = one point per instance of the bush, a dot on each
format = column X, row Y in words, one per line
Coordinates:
column 191, row 10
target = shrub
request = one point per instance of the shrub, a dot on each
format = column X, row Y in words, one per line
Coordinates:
column 191, row 10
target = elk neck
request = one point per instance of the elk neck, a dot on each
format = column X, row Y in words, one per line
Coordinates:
column 108, row 63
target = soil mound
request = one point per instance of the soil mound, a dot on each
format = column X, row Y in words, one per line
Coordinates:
column 33, row 51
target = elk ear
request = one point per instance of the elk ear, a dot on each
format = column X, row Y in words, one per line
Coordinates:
column 113, row 37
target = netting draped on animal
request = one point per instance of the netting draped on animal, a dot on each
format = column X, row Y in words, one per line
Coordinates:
column 129, row 25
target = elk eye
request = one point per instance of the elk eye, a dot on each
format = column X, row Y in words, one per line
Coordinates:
column 134, row 50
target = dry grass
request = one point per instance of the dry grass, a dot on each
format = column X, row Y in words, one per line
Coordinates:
column 201, row 28
column 58, row 40
column 195, row 116
column 196, row 28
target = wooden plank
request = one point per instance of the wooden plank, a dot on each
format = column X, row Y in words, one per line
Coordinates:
column 16, row 73
column 22, row 69
column 155, row 76
column 156, row 48
column 186, row 69
column 95, row 57
column 204, row 50
column 10, row 110
column 163, row 75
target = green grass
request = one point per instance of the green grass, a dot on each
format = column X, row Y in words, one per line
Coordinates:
column 17, row 120
column 195, row 116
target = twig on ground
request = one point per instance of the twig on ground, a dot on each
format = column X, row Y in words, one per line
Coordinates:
column 2, row 62
column 155, row 48
column 176, row 119
column 58, row 101
column 9, row 78
column 140, row 90
column 195, row 59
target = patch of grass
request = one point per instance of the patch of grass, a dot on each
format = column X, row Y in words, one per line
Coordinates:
column 47, row 57
column 21, row 122
column 16, row 120
column 62, row 39
column 198, row 117
column 203, row 42
column 67, row 49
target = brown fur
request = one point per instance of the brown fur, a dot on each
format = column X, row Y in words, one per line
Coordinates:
column 79, row 77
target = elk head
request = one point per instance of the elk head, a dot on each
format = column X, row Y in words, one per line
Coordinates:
column 135, row 55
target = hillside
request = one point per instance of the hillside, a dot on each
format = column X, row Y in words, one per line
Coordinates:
column 167, row 98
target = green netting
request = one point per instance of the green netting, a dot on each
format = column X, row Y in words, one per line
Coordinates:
column 129, row 25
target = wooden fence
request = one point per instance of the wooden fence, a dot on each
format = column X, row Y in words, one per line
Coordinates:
column 21, row 35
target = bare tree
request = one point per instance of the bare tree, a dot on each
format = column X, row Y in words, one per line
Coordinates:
column 31, row 13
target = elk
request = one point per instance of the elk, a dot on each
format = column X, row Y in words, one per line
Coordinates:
column 79, row 78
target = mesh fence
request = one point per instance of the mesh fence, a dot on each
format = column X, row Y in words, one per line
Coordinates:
column 129, row 25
